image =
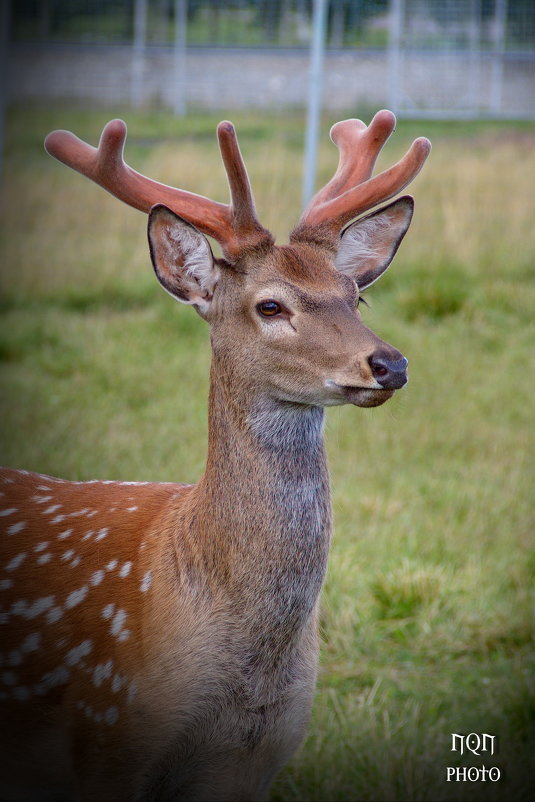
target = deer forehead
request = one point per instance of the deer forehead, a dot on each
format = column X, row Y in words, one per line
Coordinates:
column 298, row 274
column 302, row 264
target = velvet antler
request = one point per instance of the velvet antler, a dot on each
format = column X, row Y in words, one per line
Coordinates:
column 234, row 226
column 352, row 190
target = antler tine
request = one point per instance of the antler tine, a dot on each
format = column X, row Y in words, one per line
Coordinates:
column 359, row 146
column 242, row 201
column 352, row 191
column 105, row 165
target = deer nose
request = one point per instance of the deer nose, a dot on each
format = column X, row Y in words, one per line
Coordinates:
column 390, row 373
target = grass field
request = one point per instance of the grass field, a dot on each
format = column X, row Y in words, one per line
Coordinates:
column 428, row 606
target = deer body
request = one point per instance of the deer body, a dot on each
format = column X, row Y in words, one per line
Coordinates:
column 149, row 582
column 160, row 640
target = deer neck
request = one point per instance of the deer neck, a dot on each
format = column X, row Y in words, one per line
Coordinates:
column 265, row 497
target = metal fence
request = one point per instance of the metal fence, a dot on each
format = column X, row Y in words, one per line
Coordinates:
column 420, row 57
column 462, row 57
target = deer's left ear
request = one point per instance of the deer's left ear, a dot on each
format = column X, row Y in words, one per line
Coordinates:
column 368, row 246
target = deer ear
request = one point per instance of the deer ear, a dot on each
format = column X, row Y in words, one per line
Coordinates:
column 368, row 246
column 182, row 258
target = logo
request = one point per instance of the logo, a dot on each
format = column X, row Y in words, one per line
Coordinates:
column 477, row 744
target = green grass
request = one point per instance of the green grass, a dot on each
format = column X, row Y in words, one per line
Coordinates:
column 427, row 615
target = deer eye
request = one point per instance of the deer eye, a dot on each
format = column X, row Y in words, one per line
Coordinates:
column 269, row 308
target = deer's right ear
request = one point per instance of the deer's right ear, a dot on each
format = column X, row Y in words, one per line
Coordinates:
column 182, row 258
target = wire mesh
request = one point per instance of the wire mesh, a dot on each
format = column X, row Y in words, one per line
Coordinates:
column 421, row 57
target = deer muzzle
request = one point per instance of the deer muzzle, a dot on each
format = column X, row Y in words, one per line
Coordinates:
column 390, row 373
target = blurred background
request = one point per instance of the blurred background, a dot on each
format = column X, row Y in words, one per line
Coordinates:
column 419, row 57
column 428, row 608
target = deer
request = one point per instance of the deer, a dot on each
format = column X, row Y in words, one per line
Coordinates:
column 160, row 640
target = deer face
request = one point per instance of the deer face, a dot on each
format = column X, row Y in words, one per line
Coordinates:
column 285, row 320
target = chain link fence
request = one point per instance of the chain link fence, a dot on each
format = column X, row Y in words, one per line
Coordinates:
column 419, row 57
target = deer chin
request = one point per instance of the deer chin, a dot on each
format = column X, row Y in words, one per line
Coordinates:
column 361, row 397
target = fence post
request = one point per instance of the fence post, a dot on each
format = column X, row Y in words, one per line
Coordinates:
column 394, row 54
column 5, row 19
column 500, row 17
column 474, row 40
column 314, row 98
column 179, row 53
column 138, row 52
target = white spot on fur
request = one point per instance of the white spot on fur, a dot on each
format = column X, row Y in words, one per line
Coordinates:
column 16, row 561
column 96, row 578
column 58, row 519
column 31, row 643
column 102, row 672
column 125, row 570
column 14, row 529
column 41, row 499
column 10, row 511
column 53, row 508
column 41, row 546
column 88, row 534
column 117, row 683
column 146, row 582
column 65, row 534
column 19, row 607
column 59, row 676
column 54, row 615
column 76, row 562
column 44, row 558
column 131, row 509
column 74, row 656
column 107, row 612
column 111, row 715
column 39, row 606
column 111, row 565
column 67, row 555
column 117, row 623
column 102, row 534
column 124, row 635
column 76, row 597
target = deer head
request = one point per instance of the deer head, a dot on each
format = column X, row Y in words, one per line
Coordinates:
column 285, row 319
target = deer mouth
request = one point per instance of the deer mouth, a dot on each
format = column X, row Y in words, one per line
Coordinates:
column 360, row 396
column 366, row 396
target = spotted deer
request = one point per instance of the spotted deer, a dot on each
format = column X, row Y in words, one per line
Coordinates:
column 159, row 641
